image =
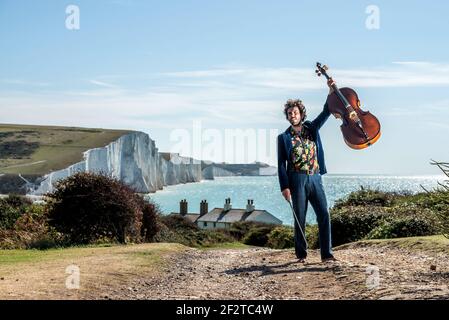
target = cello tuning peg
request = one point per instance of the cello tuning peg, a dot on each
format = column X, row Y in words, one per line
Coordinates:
column 325, row 67
column 318, row 74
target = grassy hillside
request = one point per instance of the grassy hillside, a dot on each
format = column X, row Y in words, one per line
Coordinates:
column 38, row 150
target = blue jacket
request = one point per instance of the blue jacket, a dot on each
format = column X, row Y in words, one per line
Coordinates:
column 284, row 147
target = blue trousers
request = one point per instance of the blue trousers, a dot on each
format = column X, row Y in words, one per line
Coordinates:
column 305, row 188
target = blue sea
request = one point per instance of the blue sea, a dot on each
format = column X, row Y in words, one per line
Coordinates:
column 264, row 190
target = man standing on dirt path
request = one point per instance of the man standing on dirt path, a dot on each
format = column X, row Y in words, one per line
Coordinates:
column 300, row 166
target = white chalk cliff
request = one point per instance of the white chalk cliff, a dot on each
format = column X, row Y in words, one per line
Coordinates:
column 133, row 159
column 211, row 171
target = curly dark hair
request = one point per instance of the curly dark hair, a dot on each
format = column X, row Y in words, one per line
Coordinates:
column 295, row 103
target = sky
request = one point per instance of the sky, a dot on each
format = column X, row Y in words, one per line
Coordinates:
column 208, row 79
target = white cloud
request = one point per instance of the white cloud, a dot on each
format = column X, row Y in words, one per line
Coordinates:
column 225, row 96
column 399, row 74
column 102, row 84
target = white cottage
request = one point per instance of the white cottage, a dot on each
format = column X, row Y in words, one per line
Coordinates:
column 224, row 217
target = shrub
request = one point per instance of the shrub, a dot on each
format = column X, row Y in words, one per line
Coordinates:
column 440, row 198
column 281, row 237
column 7, row 239
column 176, row 228
column 11, row 208
column 33, row 220
column 207, row 238
column 34, row 231
column 8, row 216
column 179, row 223
column 401, row 215
column 87, row 207
column 164, row 234
column 258, row 236
column 17, row 201
column 368, row 197
column 312, row 236
column 443, row 216
column 31, row 231
column 354, row 223
column 241, row 228
column 403, row 227
column 150, row 213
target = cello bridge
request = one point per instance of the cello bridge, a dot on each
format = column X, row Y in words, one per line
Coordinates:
column 353, row 116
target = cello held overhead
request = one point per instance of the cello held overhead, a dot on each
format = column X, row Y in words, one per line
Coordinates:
column 360, row 128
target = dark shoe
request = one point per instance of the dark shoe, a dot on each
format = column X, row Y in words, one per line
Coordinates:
column 302, row 260
column 329, row 259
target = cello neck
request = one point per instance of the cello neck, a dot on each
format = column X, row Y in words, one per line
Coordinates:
column 342, row 97
column 322, row 70
column 334, row 86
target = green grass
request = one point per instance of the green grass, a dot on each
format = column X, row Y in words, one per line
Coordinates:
column 152, row 252
column 59, row 147
column 35, row 255
column 33, row 274
column 432, row 244
column 23, row 256
column 30, row 256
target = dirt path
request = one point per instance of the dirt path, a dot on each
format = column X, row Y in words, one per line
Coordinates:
column 258, row 273
column 171, row 271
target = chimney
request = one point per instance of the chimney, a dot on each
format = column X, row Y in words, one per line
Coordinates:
column 250, row 205
column 227, row 205
column 183, row 207
column 203, row 208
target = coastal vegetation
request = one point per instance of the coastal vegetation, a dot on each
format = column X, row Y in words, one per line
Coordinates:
column 85, row 208
column 88, row 208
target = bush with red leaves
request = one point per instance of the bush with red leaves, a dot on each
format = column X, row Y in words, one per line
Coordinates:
column 88, row 207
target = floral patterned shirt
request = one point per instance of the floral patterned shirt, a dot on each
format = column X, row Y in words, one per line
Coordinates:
column 303, row 156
